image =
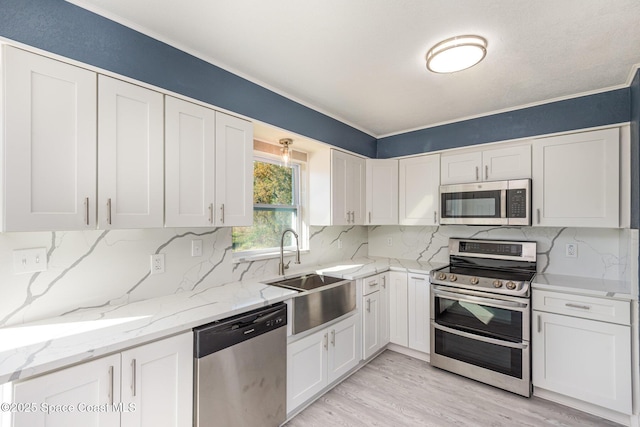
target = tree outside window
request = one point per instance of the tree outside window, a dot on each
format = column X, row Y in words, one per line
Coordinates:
column 276, row 207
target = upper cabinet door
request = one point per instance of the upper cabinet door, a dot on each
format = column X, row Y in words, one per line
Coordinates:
column 507, row 163
column 461, row 168
column 419, row 193
column 189, row 164
column 130, row 153
column 234, row 171
column 356, row 189
column 50, row 144
column 576, row 180
column 340, row 203
column 382, row 192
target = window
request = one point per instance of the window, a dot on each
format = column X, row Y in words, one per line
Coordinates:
column 276, row 207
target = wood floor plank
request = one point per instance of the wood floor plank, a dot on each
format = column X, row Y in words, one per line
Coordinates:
column 398, row 390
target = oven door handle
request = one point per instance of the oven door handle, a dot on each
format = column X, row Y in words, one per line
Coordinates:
column 519, row 346
column 519, row 306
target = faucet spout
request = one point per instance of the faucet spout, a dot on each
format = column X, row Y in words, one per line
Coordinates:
column 282, row 266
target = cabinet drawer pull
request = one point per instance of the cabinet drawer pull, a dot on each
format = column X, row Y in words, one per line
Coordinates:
column 133, row 377
column 486, row 172
column 109, row 211
column 373, row 284
column 580, row 306
column 417, row 278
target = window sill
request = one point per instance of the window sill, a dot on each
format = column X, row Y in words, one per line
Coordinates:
column 240, row 258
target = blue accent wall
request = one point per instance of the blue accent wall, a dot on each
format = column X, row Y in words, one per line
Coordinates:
column 635, row 151
column 577, row 113
column 70, row 31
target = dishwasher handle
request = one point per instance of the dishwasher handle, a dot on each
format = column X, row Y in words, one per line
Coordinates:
column 225, row 333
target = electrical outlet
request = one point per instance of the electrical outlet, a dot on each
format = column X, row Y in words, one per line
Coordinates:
column 29, row 260
column 196, row 247
column 157, row 264
column 389, row 241
column 339, row 243
column 571, row 250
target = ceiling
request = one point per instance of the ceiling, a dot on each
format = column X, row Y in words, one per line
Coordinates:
column 363, row 61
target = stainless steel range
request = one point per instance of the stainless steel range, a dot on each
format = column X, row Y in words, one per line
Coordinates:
column 481, row 312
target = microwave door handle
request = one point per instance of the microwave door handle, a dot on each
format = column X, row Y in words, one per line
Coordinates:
column 501, row 343
column 474, row 299
column 503, row 204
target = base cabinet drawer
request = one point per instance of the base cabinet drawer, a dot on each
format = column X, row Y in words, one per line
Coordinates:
column 604, row 309
column 584, row 359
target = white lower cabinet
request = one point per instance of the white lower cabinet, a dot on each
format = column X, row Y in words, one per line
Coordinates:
column 418, row 311
column 579, row 357
column 315, row 361
column 150, row 385
column 398, row 320
column 375, row 314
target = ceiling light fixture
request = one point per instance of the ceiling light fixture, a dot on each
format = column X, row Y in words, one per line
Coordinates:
column 456, row 54
column 286, row 154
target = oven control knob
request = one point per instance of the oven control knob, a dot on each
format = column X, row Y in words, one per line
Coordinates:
column 442, row 276
column 475, row 280
column 511, row 285
column 497, row 284
column 453, row 277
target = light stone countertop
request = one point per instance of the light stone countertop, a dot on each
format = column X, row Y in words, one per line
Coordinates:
column 39, row 347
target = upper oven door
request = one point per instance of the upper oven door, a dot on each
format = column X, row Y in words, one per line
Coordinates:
column 498, row 317
column 475, row 204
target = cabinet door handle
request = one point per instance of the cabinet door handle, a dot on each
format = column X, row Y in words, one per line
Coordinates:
column 326, row 341
column 133, row 377
column 109, row 211
column 222, row 213
column 477, row 174
column 348, row 217
column 333, row 337
column 539, row 324
column 384, row 282
column 353, row 217
column 580, row 306
column 435, row 217
column 368, row 305
column 369, row 217
column 211, row 213
column 86, row 210
column 110, row 391
column 486, row 172
column 538, row 213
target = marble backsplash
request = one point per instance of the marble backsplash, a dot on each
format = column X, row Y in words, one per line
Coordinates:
column 88, row 269
column 610, row 254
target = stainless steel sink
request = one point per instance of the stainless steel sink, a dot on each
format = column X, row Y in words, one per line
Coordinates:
column 321, row 299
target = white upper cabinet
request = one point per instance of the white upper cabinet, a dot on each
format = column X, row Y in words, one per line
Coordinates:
column 489, row 165
column 576, row 180
column 382, row 192
column 49, row 157
column 419, row 187
column 337, row 188
column 234, row 171
column 130, row 155
column 189, row 164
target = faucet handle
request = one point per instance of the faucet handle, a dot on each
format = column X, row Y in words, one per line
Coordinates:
column 287, row 265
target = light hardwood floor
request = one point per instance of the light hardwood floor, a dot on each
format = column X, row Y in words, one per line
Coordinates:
column 397, row 390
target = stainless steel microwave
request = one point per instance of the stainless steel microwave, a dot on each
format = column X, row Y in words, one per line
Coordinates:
column 486, row 203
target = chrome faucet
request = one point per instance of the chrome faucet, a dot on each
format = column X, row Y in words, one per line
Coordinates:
column 282, row 267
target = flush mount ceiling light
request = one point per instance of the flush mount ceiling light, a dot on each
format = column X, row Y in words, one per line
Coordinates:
column 456, row 54
column 286, row 155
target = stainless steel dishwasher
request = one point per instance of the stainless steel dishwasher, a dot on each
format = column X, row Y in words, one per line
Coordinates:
column 241, row 370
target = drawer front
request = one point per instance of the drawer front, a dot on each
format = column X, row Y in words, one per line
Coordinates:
column 603, row 309
column 371, row 284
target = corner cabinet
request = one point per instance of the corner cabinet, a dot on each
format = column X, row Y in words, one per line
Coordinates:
column 147, row 386
column 576, row 180
column 419, row 190
column 317, row 360
column 49, row 160
column 487, row 165
column 336, row 188
column 201, row 189
column 130, row 155
column 582, row 349
column 382, row 191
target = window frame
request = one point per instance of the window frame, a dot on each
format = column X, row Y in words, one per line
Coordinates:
column 298, row 196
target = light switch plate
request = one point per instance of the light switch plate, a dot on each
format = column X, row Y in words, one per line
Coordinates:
column 29, row 260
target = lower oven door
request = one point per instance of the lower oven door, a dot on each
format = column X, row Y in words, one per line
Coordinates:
column 482, row 337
